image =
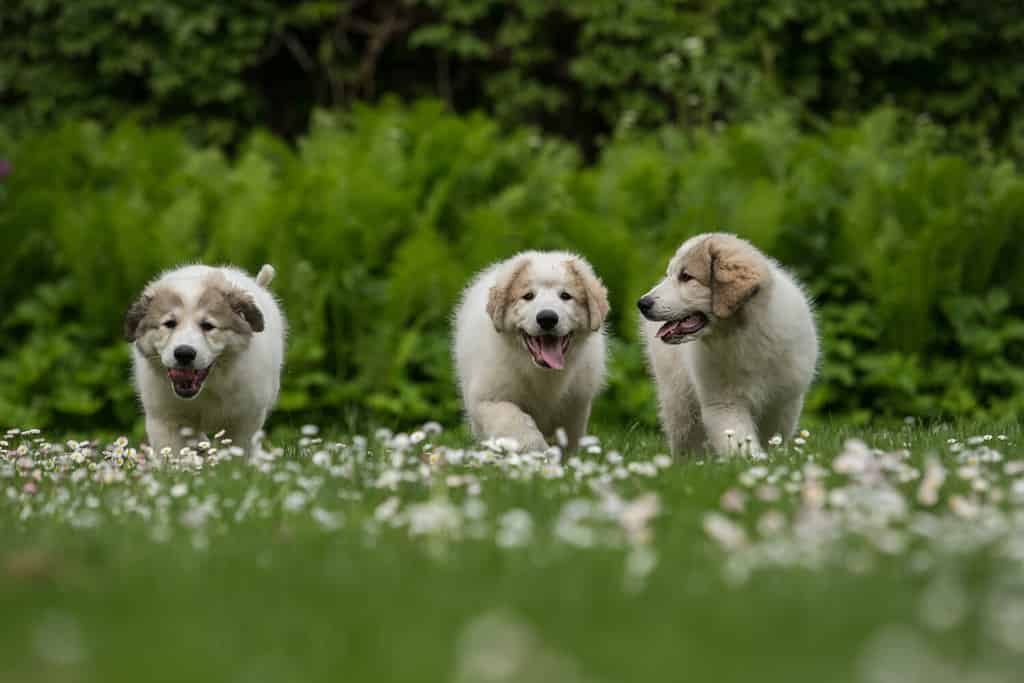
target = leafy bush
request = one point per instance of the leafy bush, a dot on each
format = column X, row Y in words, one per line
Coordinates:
column 376, row 220
column 578, row 69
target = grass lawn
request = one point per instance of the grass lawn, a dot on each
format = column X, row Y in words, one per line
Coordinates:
column 415, row 557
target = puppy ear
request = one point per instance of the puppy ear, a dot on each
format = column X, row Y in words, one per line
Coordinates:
column 244, row 306
column 504, row 291
column 738, row 272
column 595, row 291
column 134, row 315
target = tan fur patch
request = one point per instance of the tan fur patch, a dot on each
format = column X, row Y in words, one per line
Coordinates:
column 510, row 287
column 697, row 263
column 233, row 308
column 593, row 291
column 737, row 273
column 149, row 310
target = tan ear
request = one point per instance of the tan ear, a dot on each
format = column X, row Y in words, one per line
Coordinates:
column 596, row 293
column 738, row 272
column 504, row 291
column 243, row 305
column 134, row 315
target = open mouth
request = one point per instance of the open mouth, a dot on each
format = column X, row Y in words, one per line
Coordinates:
column 548, row 351
column 675, row 331
column 187, row 382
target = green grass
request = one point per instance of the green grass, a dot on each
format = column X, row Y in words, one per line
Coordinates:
column 123, row 581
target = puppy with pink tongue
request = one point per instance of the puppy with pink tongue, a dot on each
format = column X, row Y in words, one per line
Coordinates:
column 207, row 348
column 530, row 349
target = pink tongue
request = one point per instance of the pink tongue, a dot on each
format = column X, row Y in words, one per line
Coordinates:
column 551, row 352
column 667, row 328
column 690, row 323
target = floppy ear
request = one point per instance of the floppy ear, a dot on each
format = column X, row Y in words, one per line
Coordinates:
column 597, row 295
column 134, row 315
column 738, row 272
column 503, row 292
column 243, row 305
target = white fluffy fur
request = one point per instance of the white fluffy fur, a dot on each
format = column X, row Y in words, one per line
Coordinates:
column 504, row 392
column 243, row 386
column 742, row 376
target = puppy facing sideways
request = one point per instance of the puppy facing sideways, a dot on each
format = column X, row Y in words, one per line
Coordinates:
column 732, row 344
column 530, row 348
column 207, row 350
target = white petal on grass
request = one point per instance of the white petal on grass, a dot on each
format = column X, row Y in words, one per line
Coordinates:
column 1004, row 620
column 724, row 531
column 637, row 515
column 771, row 523
column 499, row 648
column 943, row 603
column 963, row 507
column 733, row 500
column 662, row 461
column 640, row 562
column 897, row 654
column 515, row 529
column 330, row 521
column 57, row 639
column 386, row 510
column 854, row 459
column 433, row 517
column 294, row 501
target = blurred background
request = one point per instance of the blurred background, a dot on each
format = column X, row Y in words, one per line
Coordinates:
column 378, row 153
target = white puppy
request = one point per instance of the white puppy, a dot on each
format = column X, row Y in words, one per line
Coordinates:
column 207, row 353
column 754, row 346
column 530, row 348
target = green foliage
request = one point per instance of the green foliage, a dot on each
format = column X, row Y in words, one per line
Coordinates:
column 579, row 69
column 376, row 220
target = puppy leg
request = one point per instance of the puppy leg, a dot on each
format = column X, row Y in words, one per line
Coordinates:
column 164, row 434
column 242, row 432
column 728, row 426
column 782, row 418
column 575, row 420
column 501, row 418
column 680, row 419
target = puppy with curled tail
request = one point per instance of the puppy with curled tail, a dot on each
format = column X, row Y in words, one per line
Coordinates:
column 207, row 352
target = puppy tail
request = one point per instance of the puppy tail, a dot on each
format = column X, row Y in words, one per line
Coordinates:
column 267, row 274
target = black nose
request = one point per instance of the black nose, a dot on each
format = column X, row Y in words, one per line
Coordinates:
column 184, row 354
column 645, row 304
column 547, row 319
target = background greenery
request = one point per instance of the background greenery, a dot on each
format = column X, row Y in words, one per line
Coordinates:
column 574, row 68
column 871, row 147
column 376, row 219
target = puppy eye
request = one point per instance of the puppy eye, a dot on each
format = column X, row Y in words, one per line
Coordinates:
column 206, row 326
column 565, row 296
column 528, row 296
column 685, row 277
column 170, row 324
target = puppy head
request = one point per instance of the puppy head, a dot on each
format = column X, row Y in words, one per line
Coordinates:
column 547, row 299
column 188, row 324
column 710, row 278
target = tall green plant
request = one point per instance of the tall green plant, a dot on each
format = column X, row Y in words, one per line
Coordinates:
column 376, row 220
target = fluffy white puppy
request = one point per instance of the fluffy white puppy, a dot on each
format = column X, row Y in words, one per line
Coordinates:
column 752, row 349
column 530, row 348
column 208, row 344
